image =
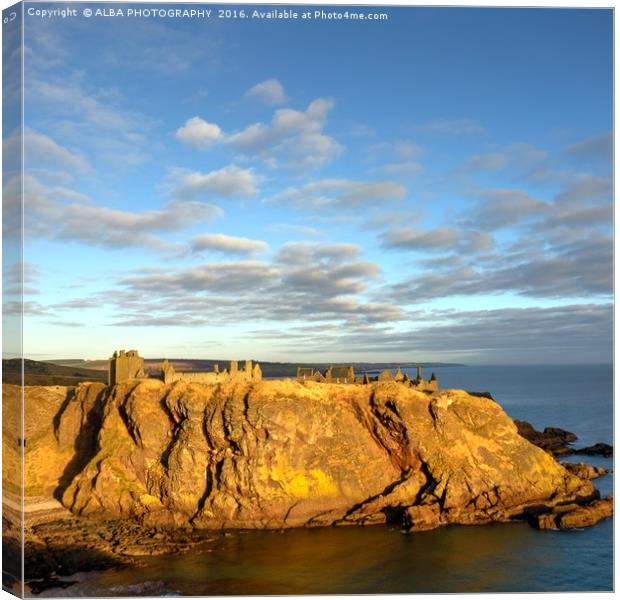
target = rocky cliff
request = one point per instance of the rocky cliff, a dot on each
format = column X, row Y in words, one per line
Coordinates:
column 275, row 454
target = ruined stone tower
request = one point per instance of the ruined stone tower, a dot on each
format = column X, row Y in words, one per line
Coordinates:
column 125, row 365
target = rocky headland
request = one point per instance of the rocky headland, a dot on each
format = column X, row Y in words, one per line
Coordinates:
column 143, row 467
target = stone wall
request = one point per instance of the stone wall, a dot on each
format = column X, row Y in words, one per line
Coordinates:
column 347, row 375
column 250, row 372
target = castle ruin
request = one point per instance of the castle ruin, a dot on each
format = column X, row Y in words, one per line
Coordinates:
column 129, row 365
column 347, row 375
column 249, row 372
column 124, row 366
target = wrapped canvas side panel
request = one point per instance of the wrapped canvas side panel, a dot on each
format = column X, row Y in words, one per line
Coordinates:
column 12, row 310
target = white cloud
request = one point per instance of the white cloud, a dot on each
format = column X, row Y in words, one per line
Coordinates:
column 294, row 138
column 319, row 281
column 597, row 149
column 92, row 108
column 173, row 216
column 577, row 269
column 54, row 213
column 225, row 277
column 330, row 193
column 440, row 239
column 324, row 270
column 501, row 207
column 568, row 334
column 586, row 188
column 521, row 162
column 312, row 119
column 226, row 244
column 93, row 120
column 19, row 278
column 304, row 253
column 42, row 150
column 269, row 91
column 228, row 182
column 198, row 133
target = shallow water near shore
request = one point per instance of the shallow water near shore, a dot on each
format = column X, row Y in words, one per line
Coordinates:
column 508, row 557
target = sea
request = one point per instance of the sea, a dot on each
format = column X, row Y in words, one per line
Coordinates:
column 506, row 557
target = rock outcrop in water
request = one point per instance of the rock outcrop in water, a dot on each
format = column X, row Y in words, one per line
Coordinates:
column 585, row 471
column 599, row 448
column 552, row 439
column 559, row 441
column 574, row 516
column 276, row 454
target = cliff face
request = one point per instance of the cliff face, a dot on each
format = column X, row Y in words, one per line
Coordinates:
column 283, row 454
column 45, row 458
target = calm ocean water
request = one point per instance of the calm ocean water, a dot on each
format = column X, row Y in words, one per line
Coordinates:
column 491, row 558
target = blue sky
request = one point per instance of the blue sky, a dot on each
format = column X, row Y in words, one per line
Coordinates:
column 435, row 186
